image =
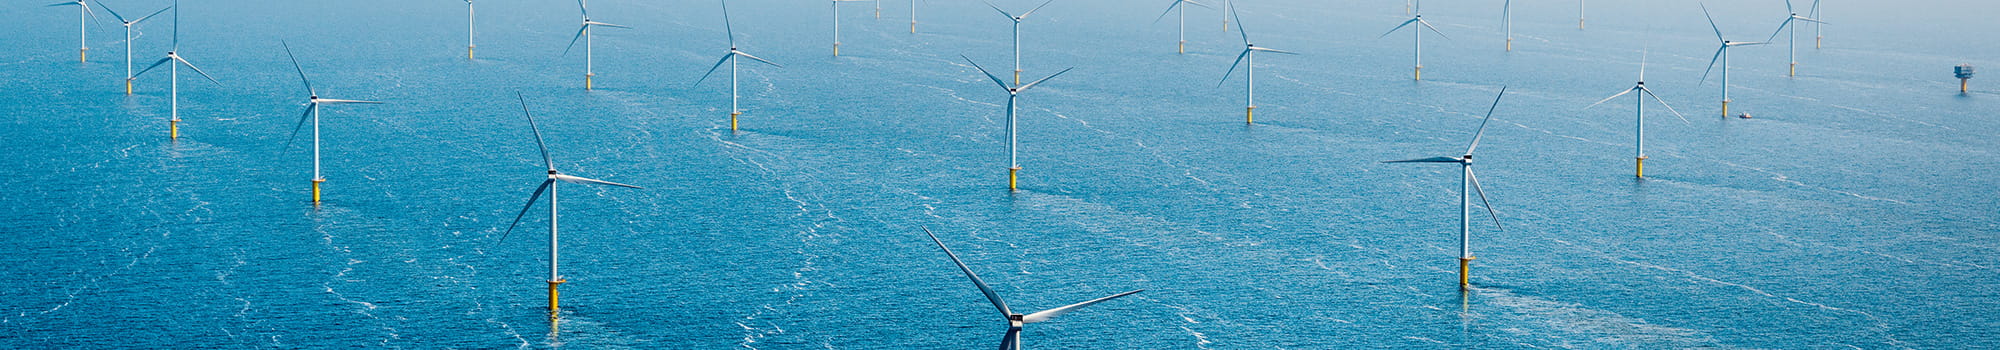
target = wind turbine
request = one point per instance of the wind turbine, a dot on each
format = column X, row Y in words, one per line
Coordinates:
column 83, row 17
column 1179, row 10
column 1579, row 14
column 1248, row 59
column 313, row 101
column 584, row 33
column 1469, row 184
column 128, row 40
column 1012, row 341
column 730, row 58
column 1817, row 35
column 1417, row 45
column 1013, row 95
column 1792, row 44
column 1639, row 116
column 913, row 16
column 1227, row 7
column 468, row 30
column 1507, row 21
column 1721, row 53
column 173, row 62
column 555, row 277
column 836, row 24
column 1017, row 33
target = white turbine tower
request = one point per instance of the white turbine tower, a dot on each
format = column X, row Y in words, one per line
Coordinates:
column 128, row 39
column 730, row 58
column 83, row 17
column 1013, row 95
column 1792, row 44
column 313, row 101
column 584, row 33
column 1179, row 9
column 469, row 32
column 1247, row 59
column 1227, row 7
column 1579, row 14
column 174, row 62
column 1017, row 33
column 1721, row 53
column 1469, row 184
column 1817, row 34
column 1012, row 341
column 1507, row 22
column 913, row 16
column 836, row 24
column 555, row 276
column 1418, row 34
column 1639, row 116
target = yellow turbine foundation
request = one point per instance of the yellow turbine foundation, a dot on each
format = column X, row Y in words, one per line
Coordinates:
column 128, row 86
column 1250, row 115
column 1465, row 272
column 836, row 49
column 1013, row 180
column 1793, row 71
column 1641, row 172
column 468, row 51
column 1579, row 24
column 555, row 300
column 913, row 27
column 1816, row 41
column 174, row 129
column 316, row 190
column 586, row 80
column 732, row 120
column 1725, row 108
column 1510, row 44
column 1182, row 47
column 1420, row 73
column 1962, row 85
column 83, row 55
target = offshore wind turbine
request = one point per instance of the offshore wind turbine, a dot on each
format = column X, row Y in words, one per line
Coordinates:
column 1227, row 7
column 1017, row 33
column 1817, row 35
column 1579, row 14
column 836, row 24
column 913, row 16
column 313, row 101
column 1507, row 22
column 1179, row 9
column 174, row 62
column 1248, row 59
column 584, row 33
column 1639, row 116
column 128, row 39
column 83, row 17
column 1469, row 184
column 1792, row 44
column 469, row 32
column 549, row 185
column 1013, row 96
column 1012, row 341
column 1418, row 34
column 1721, row 53
column 730, row 58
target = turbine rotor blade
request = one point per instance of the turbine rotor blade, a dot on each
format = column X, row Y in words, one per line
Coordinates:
column 1038, row 82
column 1010, row 16
column 590, row 181
column 1045, row 315
column 1711, row 22
column 1711, row 64
column 1232, row 66
column 301, row 70
column 524, row 209
column 197, row 70
column 156, row 64
column 1427, row 24
column 711, row 69
column 1024, row 15
column 303, row 116
column 1608, row 99
column 143, row 19
column 748, row 55
column 990, row 295
column 329, row 101
column 726, row 27
column 114, row 13
column 1254, row 48
column 996, row 79
column 1663, row 103
column 1239, row 25
column 1781, row 28
column 572, row 40
column 1393, row 30
column 538, row 132
column 1429, row 160
column 1482, row 198
column 1482, row 122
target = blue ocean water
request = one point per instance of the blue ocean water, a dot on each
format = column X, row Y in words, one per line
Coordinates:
column 1854, row 210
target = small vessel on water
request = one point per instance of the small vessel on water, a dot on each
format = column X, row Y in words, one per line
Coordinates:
column 1744, row 115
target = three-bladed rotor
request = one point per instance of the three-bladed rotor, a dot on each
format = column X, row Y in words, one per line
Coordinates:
column 1012, row 340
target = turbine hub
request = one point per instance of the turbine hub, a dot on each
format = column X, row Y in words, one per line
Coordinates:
column 552, row 172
